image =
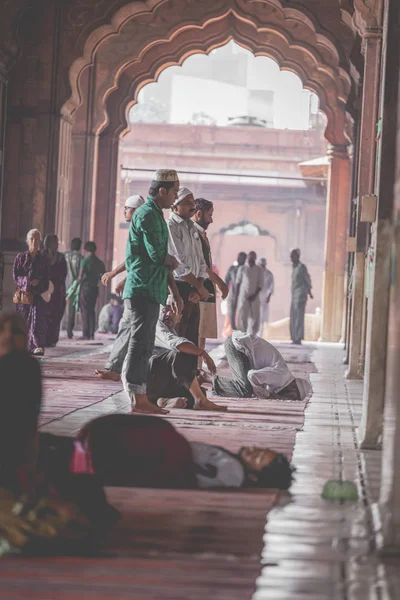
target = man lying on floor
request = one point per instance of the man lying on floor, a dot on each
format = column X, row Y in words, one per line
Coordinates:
column 258, row 369
column 144, row 451
column 172, row 380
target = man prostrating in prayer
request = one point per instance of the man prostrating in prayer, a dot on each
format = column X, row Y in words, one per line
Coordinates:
column 148, row 276
column 258, row 369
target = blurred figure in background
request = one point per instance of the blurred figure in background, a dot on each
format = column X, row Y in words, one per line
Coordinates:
column 110, row 315
column 58, row 274
column 249, row 283
column 73, row 258
column 301, row 289
column 91, row 270
column 265, row 294
column 230, row 280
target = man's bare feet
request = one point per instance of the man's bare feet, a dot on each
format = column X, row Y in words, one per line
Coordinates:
column 110, row 375
column 141, row 404
column 208, row 405
column 172, row 402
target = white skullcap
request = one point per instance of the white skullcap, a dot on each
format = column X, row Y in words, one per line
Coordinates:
column 304, row 387
column 183, row 192
column 134, row 201
column 166, row 175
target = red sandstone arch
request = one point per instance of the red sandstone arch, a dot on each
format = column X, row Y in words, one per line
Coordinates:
column 146, row 37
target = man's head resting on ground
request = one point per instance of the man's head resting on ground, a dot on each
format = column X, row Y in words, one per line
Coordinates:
column 266, row 468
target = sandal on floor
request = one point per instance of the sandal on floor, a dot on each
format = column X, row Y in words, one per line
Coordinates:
column 38, row 352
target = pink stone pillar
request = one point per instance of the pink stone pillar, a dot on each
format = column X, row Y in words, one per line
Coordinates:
column 337, row 218
column 389, row 501
column 366, row 185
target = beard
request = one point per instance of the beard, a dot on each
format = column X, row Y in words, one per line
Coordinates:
column 203, row 224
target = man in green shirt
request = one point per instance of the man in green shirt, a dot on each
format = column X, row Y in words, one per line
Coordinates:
column 149, row 274
column 91, row 270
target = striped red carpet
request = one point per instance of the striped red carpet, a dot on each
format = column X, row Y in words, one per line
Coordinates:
column 169, row 545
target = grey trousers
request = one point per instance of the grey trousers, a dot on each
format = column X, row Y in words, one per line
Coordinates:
column 141, row 343
column 249, row 315
column 121, row 343
column 239, row 386
column 297, row 312
column 171, row 375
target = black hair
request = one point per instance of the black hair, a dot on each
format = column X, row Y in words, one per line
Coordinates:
column 278, row 474
column 76, row 244
column 242, row 254
column 156, row 186
column 49, row 237
column 90, row 247
column 203, row 204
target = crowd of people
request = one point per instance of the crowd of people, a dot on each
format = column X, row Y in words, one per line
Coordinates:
column 169, row 309
column 50, row 283
column 51, row 487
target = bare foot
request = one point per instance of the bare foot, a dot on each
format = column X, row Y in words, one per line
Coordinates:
column 172, row 402
column 141, row 404
column 208, row 405
column 110, row 375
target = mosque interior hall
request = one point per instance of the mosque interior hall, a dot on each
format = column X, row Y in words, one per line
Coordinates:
column 285, row 114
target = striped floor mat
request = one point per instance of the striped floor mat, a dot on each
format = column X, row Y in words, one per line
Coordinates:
column 169, row 545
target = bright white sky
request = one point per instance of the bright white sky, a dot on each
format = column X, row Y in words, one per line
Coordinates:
column 188, row 94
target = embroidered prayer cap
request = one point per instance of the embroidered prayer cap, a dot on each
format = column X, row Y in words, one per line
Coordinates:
column 134, row 201
column 166, row 175
column 183, row 192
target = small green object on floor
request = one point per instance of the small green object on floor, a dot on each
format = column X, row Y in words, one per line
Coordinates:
column 340, row 490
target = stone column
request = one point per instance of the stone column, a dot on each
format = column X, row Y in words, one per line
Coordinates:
column 370, row 429
column 85, row 150
column 85, row 142
column 103, row 209
column 366, row 183
column 389, row 501
column 337, row 217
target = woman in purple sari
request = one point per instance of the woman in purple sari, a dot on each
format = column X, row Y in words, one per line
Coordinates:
column 31, row 274
column 58, row 274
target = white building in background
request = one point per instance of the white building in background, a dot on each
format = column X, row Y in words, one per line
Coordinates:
column 225, row 86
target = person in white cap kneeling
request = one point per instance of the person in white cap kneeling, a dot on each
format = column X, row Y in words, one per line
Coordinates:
column 149, row 277
column 258, row 369
column 113, row 367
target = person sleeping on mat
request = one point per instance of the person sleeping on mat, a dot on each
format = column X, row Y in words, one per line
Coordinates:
column 258, row 369
column 145, row 451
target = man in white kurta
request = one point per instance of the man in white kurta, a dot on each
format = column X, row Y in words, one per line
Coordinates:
column 184, row 245
column 258, row 369
column 249, row 283
column 265, row 294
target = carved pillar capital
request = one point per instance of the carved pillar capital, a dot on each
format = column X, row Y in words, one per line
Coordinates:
column 338, row 151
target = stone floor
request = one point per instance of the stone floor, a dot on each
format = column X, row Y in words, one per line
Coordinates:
column 316, row 549
column 312, row 549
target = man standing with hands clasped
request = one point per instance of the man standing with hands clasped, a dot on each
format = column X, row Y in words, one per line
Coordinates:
column 185, row 246
column 148, row 277
column 301, row 289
